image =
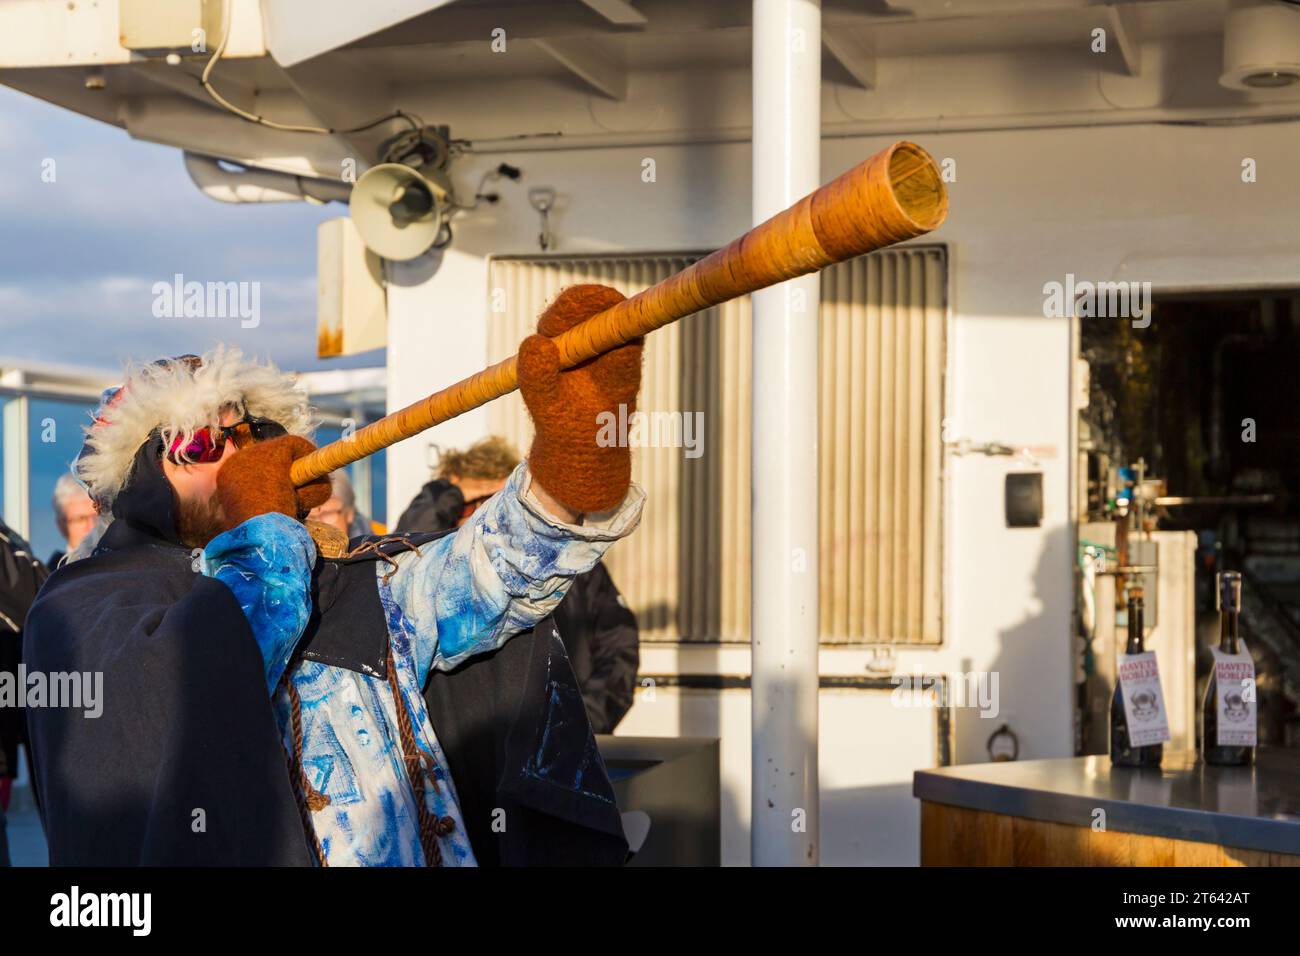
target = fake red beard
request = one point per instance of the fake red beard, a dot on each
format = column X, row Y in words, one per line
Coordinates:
column 198, row 522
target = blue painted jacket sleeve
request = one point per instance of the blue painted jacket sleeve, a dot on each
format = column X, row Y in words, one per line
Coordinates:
column 501, row 572
column 267, row 562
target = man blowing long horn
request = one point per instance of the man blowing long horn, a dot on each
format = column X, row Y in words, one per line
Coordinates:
column 263, row 701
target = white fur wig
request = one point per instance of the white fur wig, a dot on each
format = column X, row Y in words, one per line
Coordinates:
column 175, row 397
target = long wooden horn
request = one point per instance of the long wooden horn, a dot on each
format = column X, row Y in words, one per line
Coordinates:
column 895, row 195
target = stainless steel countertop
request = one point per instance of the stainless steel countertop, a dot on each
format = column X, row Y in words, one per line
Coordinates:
column 1252, row 807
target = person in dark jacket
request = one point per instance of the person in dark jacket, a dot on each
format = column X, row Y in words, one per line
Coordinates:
column 597, row 627
column 21, row 576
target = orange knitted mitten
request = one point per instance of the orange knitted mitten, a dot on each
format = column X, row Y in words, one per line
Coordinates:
column 566, row 405
column 255, row 481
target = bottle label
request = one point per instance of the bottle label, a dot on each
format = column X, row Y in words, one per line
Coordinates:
column 1234, row 678
column 1144, row 701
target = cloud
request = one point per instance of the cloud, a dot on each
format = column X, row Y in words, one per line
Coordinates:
column 79, row 256
column 105, row 321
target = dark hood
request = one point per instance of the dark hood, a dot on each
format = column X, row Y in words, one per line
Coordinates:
column 145, row 510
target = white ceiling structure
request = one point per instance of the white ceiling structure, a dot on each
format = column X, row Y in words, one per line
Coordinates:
column 535, row 75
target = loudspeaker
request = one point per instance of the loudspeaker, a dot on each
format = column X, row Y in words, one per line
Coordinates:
column 399, row 211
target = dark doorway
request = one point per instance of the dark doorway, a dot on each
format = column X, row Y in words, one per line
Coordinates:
column 1208, row 399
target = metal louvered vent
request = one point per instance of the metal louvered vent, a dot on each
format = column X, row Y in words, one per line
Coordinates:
column 685, row 571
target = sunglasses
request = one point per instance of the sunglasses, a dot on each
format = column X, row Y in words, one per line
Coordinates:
column 208, row 443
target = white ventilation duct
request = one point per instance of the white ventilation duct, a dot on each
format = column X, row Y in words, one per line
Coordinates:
column 260, row 185
column 1261, row 45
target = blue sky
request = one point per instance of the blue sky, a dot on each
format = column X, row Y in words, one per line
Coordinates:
column 79, row 256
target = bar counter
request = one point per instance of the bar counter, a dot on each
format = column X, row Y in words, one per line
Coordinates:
column 1084, row 812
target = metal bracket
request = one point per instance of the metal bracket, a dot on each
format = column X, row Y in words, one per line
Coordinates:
column 1030, row 454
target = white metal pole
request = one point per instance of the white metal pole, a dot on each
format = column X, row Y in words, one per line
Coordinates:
column 363, row 474
column 17, row 464
column 786, row 164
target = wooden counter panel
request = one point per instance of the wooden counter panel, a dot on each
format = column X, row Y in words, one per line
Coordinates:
column 956, row 836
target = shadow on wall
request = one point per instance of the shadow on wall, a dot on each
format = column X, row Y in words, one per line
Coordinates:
column 874, row 826
column 415, row 272
column 1030, row 658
